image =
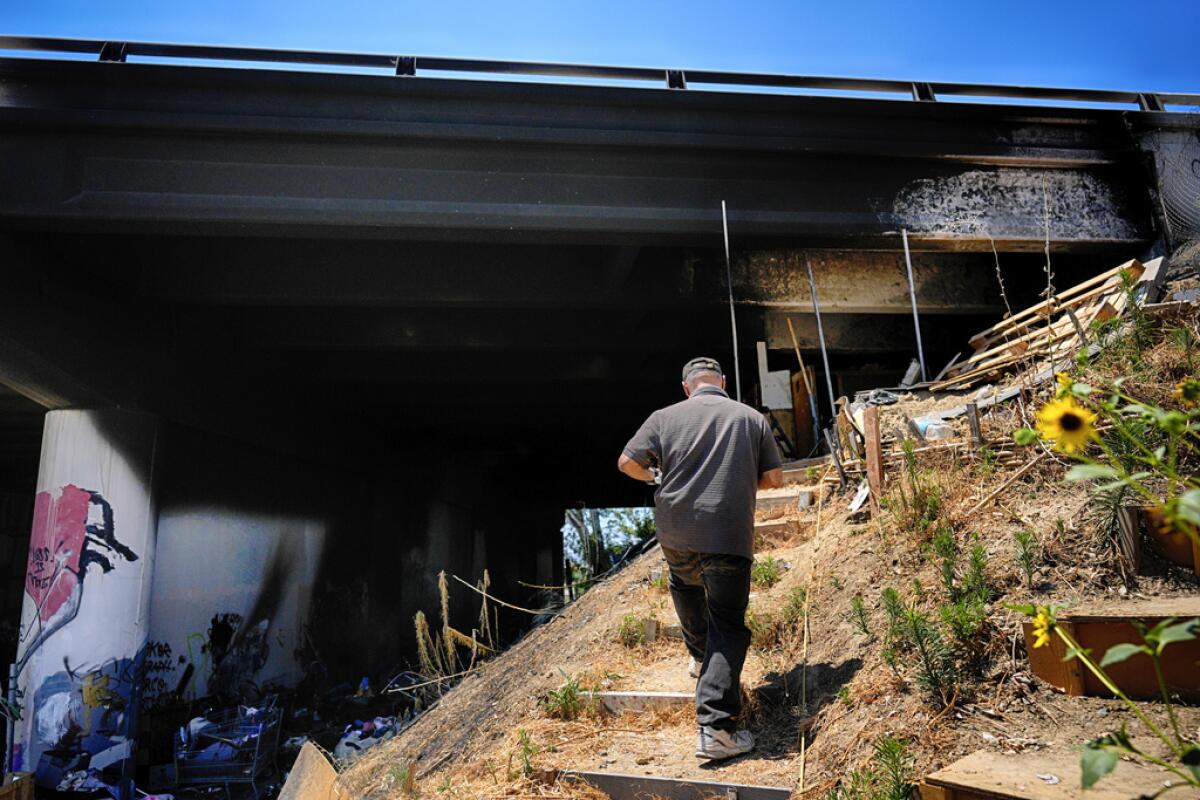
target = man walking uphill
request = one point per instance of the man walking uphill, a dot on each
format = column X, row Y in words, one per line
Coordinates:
column 708, row 454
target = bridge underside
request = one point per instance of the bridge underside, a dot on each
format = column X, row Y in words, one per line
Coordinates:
column 480, row 289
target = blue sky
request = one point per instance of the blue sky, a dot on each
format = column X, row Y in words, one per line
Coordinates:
column 1126, row 45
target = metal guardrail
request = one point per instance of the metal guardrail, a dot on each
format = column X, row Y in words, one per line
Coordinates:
column 677, row 79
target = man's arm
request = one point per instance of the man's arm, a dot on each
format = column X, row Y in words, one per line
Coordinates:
column 636, row 471
column 771, row 479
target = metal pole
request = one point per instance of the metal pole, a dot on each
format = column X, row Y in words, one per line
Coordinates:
column 912, row 293
column 812, row 289
column 737, row 367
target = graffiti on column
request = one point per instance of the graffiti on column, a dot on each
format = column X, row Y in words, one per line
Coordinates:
column 71, row 532
column 80, row 713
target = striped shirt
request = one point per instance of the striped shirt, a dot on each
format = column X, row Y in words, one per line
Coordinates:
column 711, row 451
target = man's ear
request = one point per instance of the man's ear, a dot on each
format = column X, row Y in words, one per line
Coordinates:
column 722, row 383
column 687, row 391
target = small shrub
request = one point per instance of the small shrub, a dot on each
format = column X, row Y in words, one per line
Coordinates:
column 1028, row 553
column 916, row 508
column 632, row 632
column 987, row 461
column 937, row 674
column 766, row 572
column 945, row 547
column 835, row 582
column 974, row 582
column 659, row 582
column 893, row 608
column 404, row 776
column 525, row 752
column 811, row 474
column 965, row 618
column 843, row 695
column 569, row 701
column 793, row 610
column 918, row 589
column 764, row 631
column 858, row 615
column 890, row 776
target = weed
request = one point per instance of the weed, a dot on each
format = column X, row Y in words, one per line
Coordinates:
column 965, row 617
column 858, row 615
column 811, row 474
column 843, row 695
column 987, row 461
column 659, row 582
column 404, row 776
column 793, row 610
column 568, row 701
column 918, row 589
column 1185, row 340
column 766, row 572
column 835, row 582
column 447, row 786
column 527, row 750
column 974, row 583
column 632, row 632
column 764, row 631
column 1028, row 553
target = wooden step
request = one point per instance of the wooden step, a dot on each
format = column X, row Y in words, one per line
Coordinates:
column 785, row 500
column 770, row 533
column 1098, row 626
column 640, row 787
column 620, row 702
column 987, row 775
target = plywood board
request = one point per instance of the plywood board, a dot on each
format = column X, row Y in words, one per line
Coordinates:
column 312, row 777
column 1016, row 777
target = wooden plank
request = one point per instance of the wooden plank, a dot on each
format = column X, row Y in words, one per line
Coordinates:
column 1047, row 662
column 640, row 787
column 786, row 500
column 989, row 774
column 973, row 423
column 312, row 777
column 637, row 702
column 874, row 456
column 1129, row 536
column 1097, row 626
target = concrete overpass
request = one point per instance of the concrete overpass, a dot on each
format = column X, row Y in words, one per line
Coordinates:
column 421, row 312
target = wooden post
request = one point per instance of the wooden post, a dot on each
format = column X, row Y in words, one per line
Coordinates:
column 836, row 455
column 973, row 420
column 874, row 456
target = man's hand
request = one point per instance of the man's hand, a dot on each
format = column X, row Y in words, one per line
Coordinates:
column 771, row 479
column 636, row 471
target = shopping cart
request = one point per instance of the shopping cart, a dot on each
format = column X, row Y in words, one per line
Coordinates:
column 234, row 746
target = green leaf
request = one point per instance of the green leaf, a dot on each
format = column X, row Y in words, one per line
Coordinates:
column 1025, row 436
column 1028, row 609
column 1119, row 652
column 1189, row 506
column 1095, row 763
column 1191, row 759
column 1088, row 472
column 1179, row 632
column 1081, row 389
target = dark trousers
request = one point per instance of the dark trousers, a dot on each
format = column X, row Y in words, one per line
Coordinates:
column 711, row 592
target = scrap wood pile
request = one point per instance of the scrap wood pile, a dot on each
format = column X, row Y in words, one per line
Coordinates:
column 1017, row 353
column 1045, row 332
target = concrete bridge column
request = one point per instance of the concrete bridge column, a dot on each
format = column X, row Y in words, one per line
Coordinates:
column 85, row 617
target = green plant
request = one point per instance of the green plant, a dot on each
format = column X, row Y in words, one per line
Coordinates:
column 917, row 500
column 525, row 752
column 974, row 582
column 766, row 572
column 945, row 547
column 659, row 582
column 835, row 582
column 893, row 609
column 858, row 615
column 764, row 631
column 843, row 695
column 404, row 776
column 569, row 701
column 937, row 674
column 793, row 609
column 1028, row 553
column 965, row 618
column 1185, row 340
column 632, row 631
column 987, row 461
column 1100, row 755
column 889, row 777
column 1145, row 449
column 811, row 474
column 918, row 589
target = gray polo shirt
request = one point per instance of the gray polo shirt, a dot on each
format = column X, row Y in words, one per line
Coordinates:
column 711, row 450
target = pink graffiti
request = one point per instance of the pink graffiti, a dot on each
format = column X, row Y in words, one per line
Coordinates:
column 55, row 548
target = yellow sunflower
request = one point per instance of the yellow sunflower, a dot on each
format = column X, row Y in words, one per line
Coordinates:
column 1043, row 623
column 1064, row 382
column 1187, row 392
column 1066, row 423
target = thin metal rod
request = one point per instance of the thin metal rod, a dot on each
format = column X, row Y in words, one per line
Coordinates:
column 737, row 366
column 912, row 293
column 812, row 400
column 812, row 289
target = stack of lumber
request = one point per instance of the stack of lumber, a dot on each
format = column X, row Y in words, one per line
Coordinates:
column 1049, row 330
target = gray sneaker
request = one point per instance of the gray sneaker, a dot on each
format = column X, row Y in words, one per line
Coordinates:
column 693, row 668
column 716, row 745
